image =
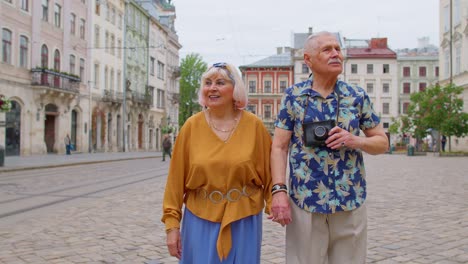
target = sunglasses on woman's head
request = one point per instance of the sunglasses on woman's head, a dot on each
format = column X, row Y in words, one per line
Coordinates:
column 225, row 66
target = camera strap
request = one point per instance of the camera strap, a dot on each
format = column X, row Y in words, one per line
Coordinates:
column 337, row 105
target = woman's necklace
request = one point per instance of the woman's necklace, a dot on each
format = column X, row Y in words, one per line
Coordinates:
column 220, row 129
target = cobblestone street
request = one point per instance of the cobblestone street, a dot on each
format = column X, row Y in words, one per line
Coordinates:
column 417, row 207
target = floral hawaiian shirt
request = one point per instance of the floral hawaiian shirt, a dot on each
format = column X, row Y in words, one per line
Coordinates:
column 323, row 180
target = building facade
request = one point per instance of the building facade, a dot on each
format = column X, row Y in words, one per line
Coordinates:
column 266, row 81
column 43, row 70
column 453, row 55
column 374, row 68
column 75, row 67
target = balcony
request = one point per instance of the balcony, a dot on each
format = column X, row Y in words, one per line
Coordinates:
column 142, row 99
column 55, row 80
column 112, row 97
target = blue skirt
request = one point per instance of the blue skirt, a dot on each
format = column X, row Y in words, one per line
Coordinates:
column 199, row 238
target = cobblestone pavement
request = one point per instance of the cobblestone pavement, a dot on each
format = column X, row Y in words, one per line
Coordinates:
column 417, row 207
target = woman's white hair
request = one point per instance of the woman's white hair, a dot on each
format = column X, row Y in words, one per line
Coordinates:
column 228, row 72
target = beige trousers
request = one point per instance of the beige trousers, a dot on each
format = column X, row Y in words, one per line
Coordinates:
column 339, row 238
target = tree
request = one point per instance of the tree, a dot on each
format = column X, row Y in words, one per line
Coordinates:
column 191, row 69
column 439, row 108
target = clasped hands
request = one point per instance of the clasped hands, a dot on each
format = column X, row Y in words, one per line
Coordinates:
column 280, row 209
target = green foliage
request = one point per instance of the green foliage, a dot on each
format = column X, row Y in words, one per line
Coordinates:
column 167, row 129
column 191, row 69
column 395, row 126
column 439, row 108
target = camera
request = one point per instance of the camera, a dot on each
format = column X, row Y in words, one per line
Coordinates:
column 315, row 133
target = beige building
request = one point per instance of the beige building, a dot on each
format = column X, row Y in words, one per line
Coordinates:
column 374, row 68
column 106, row 85
column 453, row 55
column 43, row 70
column 58, row 56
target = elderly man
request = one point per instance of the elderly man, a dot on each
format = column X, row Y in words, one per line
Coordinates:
column 319, row 124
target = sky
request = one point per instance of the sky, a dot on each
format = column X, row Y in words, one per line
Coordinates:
column 245, row 31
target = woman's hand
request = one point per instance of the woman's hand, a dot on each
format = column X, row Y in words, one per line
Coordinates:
column 280, row 210
column 174, row 245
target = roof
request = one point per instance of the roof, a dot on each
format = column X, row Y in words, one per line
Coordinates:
column 377, row 48
column 280, row 60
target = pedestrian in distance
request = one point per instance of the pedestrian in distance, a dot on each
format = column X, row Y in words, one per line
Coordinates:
column 67, row 145
column 220, row 170
column 318, row 124
column 443, row 141
column 167, row 146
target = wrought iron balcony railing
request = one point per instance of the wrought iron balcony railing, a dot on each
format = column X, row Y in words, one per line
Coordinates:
column 52, row 79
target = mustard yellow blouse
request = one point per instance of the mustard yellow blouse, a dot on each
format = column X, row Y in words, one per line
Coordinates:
column 203, row 167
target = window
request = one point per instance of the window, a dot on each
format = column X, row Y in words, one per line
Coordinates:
column 305, row 68
column 446, row 63
column 405, row 107
column 406, row 71
column 57, row 60
column 82, row 28
column 267, row 112
column 119, row 77
column 354, row 68
column 57, row 15
column 283, row 85
column 160, row 70
column 436, row 73
column 6, row 46
column 82, row 69
column 457, row 60
column 385, row 124
column 370, row 68
column 25, row 5
column 106, row 78
column 72, row 23
column 112, row 44
column 422, row 71
column 252, row 109
column 97, row 8
column 370, row 88
column 113, row 15
column 106, row 41
column 44, row 56
column 152, row 66
column 111, row 79
column 23, row 55
column 45, row 10
column 385, row 108
column 446, row 18
column 456, row 12
column 267, row 87
column 96, row 76
column 406, row 88
column 119, row 48
column 96, row 36
column 422, row 86
column 119, row 21
column 385, row 88
column 72, row 64
column 160, row 99
column 386, row 68
column 252, row 86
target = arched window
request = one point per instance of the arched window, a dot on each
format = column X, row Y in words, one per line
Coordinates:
column 6, row 46
column 72, row 64
column 57, row 60
column 23, row 56
column 44, row 56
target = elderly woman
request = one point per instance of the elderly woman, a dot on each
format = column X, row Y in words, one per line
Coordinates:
column 221, row 171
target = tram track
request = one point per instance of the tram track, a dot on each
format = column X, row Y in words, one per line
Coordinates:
column 29, row 201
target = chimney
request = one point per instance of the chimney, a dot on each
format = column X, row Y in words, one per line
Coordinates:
column 279, row 50
column 378, row 43
column 311, row 30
